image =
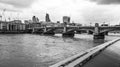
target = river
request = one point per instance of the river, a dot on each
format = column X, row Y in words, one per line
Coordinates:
column 30, row 50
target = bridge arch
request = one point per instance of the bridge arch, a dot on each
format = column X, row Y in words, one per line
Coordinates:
column 108, row 30
column 89, row 31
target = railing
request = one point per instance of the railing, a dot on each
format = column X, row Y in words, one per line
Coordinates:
column 83, row 57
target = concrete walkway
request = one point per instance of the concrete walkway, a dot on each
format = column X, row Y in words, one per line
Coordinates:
column 110, row 57
column 99, row 56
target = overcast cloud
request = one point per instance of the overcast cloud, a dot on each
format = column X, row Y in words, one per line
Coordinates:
column 80, row 11
column 18, row 3
column 107, row 1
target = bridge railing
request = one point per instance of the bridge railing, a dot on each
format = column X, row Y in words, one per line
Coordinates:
column 83, row 57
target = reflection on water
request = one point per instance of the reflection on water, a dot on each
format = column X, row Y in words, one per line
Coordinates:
column 99, row 41
column 26, row 50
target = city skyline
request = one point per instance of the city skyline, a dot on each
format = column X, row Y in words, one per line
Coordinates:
column 80, row 11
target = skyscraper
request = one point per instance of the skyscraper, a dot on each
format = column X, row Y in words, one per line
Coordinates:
column 66, row 19
column 35, row 19
column 47, row 18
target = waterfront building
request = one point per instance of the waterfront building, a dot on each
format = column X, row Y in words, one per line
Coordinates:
column 78, row 24
column 43, row 24
column 28, row 21
column 16, row 21
column 15, row 25
column 3, row 25
column 58, row 21
column 32, row 25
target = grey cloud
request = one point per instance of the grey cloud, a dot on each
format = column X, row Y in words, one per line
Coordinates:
column 10, row 10
column 97, row 15
column 107, row 1
column 18, row 3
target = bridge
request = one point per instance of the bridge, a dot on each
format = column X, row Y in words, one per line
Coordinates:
column 98, row 32
column 82, row 59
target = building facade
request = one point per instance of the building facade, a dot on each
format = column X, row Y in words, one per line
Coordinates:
column 35, row 19
column 66, row 19
column 12, row 26
column 47, row 18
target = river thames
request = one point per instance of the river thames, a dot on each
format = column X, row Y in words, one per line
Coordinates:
column 30, row 50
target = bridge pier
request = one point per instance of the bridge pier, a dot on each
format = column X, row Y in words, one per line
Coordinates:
column 97, row 34
column 40, row 31
column 48, row 31
column 67, row 33
column 35, row 31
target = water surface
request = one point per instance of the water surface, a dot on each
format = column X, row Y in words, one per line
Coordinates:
column 28, row 50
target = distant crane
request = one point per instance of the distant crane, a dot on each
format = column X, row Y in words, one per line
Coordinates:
column 3, row 15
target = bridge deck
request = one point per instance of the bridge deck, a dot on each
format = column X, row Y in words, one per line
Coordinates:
column 110, row 57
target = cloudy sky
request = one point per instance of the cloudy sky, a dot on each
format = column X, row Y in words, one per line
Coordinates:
column 80, row 11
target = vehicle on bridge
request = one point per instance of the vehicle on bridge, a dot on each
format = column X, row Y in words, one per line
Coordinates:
column 104, row 25
column 117, row 25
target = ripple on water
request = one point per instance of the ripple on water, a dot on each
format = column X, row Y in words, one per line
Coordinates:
column 26, row 50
